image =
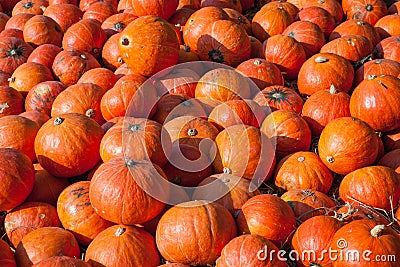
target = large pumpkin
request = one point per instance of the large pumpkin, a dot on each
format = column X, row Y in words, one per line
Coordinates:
column 122, row 245
column 77, row 214
column 336, row 145
column 149, row 44
column 68, row 145
column 355, row 26
column 377, row 67
column 6, row 255
column 64, row 14
column 35, row 7
column 40, row 30
column 367, row 10
column 318, row 16
column 208, row 228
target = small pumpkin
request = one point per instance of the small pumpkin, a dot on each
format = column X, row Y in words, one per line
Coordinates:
column 42, row 96
column 386, row 26
column 40, row 30
column 102, row 77
column 318, row 16
column 279, row 97
column 64, row 14
column 35, row 7
column 117, row 23
column 367, row 10
column 85, row 4
column 333, row 7
column 356, row 26
column 14, row 52
column 18, row 21
column 44, row 54
column 377, row 67
column 110, row 54
column 99, row 11
column 388, row 48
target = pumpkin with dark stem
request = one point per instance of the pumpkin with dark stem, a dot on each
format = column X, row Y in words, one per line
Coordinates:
column 110, row 53
column 64, row 14
column 367, row 10
column 279, row 97
column 35, row 7
column 117, row 23
column 239, row 19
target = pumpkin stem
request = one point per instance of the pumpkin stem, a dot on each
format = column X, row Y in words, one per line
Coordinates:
column 257, row 62
column 27, row 5
column 125, row 41
column 291, row 34
column 333, row 90
column 307, row 193
column 58, row 120
column 371, row 77
column 330, row 159
column 118, row 26
column 321, row 59
column 351, row 42
column 301, row 159
column 134, row 127
column 369, row 7
column 192, row 132
column 11, row 80
column 120, row 60
column 216, row 56
column 225, row 180
column 360, row 23
column 377, row 230
column 83, row 56
column 120, row 231
column 90, row 113
column 43, row 8
column 379, row 61
column 226, row 170
column 130, row 163
column 3, row 107
column 186, row 48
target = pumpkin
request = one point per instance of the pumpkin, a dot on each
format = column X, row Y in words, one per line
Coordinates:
column 110, row 54
column 318, row 240
column 367, row 10
column 319, row 16
column 356, row 26
column 333, row 7
column 39, row 117
column 391, row 140
column 61, row 261
column 40, row 30
column 377, row 67
column 72, row 2
column 8, row 5
column 322, row 70
column 197, row 23
column 14, row 164
column 171, row 106
column 388, row 48
column 46, row 187
column 324, row 106
column 42, row 96
column 68, row 145
column 232, row 4
column 178, row 80
column 6, row 255
column 187, row 55
column 35, row 7
column 139, row 176
column 375, row 238
column 386, row 26
column 117, row 23
column 64, row 14
column 163, row 9
column 210, row 220
column 99, row 11
column 385, row 181
column 235, row 191
column 12, row 33
column 391, row 159
column 18, row 21
column 279, row 97
column 85, row 4
column 132, row 96
column 303, row 170
column 69, row 65
column 239, row 19
column 32, row 249
column 138, row 139
column 4, row 78
column 102, row 77
column 14, row 52
column 244, row 151
column 181, row 16
column 3, row 20
column 137, row 246
column 347, row 157
column 242, row 249
column 263, row 73
column 11, row 101
column 255, row 47
column 174, row 265
column 386, row 94
column 288, row 130
column 286, row 53
column 223, row 85
column 44, row 54
column 193, row 4
column 308, row 34
column 27, row 217
column 351, row 212
column 268, row 216
column 85, row 35
column 157, row 51
column 353, row 47
column 77, row 214
column 82, row 98
column 19, row 133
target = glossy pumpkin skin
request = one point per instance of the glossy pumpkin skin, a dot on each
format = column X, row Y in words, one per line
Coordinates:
column 239, row 19
column 122, row 245
column 27, row 217
column 318, row 16
column 35, row 116
column 358, row 145
column 377, row 67
column 286, row 53
column 279, row 97
column 69, row 65
column 81, row 98
column 209, row 227
column 117, row 23
column 381, row 240
column 385, row 90
column 14, row 164
column 388, row 48
column 136, row 138
column 77, row 214
column 357, row 184
column 241, row 250
column 12, row 33
column 317, row 240
column 6, row 255
column 14, row 52
column 367, row 10
column 61, row 261
column 355, row 26
column 64, row 14
column 268, row 216
column 44, row 54
column 32, row 249
column 77, row 140
column 322, row 70
column 303, row 170
column 11, row 101
column 131, row 175
column 163, row 9
column 324, row 106
column 42, row 96
column 102, row 77
column 40, row 30
column 147, row 56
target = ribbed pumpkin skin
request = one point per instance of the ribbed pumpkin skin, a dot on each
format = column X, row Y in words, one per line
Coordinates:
column 99, row 11
column 122, row 245
column 388, row 48
column 148, row 45
column 77, row 214
column 209, row 227
column 18, row 21
column 40, row 30
column 42, row 96
column 44, row 54
column 358, row 145
column 387, row 26
column 163, row 9
column 279, row 97
column 68, row 145
column 384, row 114
column 355, row 26
column 27, row 217
column 64, row 14
column 102, row 77
column 241, row 250
column 357, row 185
column 117, row 23
column 318, row 16
column 32, row 249
column 377, row 67
column 367, row 10
column 6, row 255
column 62, row 261
column 333, row 7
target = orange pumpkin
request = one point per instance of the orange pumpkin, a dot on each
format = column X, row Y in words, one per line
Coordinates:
column 367, row 10
column 355, row 26
column 388, row 48
column 40, row 30
column 64, row 14
column 163, row 9
column 392, row 160
column 42, row 96
column 377, row 67
column 110, row 54
column 11, row 101
column 99, row 11
column 35, row 7
column 102, row 77
column 6, row 255
column 318, row 16
column 36, row 116
column 117, row 23
column 44, row 54
column 61, row 261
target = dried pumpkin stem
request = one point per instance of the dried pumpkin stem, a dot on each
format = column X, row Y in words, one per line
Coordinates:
column 377, row 230
column 120, row 231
